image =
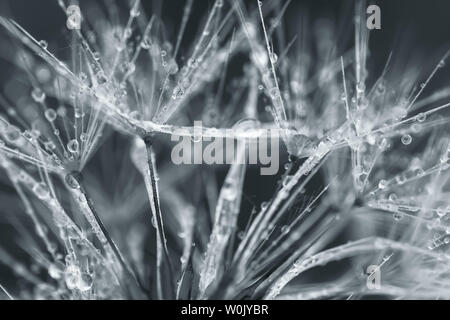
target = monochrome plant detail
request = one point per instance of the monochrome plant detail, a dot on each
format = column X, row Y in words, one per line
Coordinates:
column 135, row 160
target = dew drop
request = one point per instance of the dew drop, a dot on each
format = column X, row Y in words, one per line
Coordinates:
column 73, row 146
column 274, row 92
column 134, row 12
column 421, row 117
column 71, row 276
column 398, row 216
column 84, row 282
column 83, row 137
column 41, row 191
column 101, row 78
column 55, row 271
column 173, row 67
column 382, row 184
column 72, row 182
column 273, row 57
column 393, row 197
column 12, row 134
column 38, row 95
column 145, row 44
column 440, row 211
column 406, row 139
column 228, row 193
column 43, row 44
column 285, row 229
column 381, row 88
column 360, row 87
column 50, row 115
column 127, row 33
column 154, row 223
column 135, row 115
column 96, row 55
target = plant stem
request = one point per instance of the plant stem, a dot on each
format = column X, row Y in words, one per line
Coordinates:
column 79, row 178
column 161, row 245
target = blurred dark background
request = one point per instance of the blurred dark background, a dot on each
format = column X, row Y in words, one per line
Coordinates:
column 418, row 29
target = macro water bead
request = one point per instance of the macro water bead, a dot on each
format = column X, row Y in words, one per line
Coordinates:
column 224, row 150
column 406, row 139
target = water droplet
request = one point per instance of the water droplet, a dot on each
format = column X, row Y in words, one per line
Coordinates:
column 228, row 193
column 274, row 92
column 38, row 95
column 154, row 223
column 440, row 211
column 73, row 146
column 41, row 191
column 382, row 184
column 406, row 139
column 286, row 181
column 72, row 182
column 55, row 271
column 84, row 282
column 71, row 276
column 96, row 55
column 83, row 76
column 134, row 12
column 381, row 88
column 360, row 87
column 101, row 78
column 173, row 67
column 393, row 197
column 421, row 117
column 398, row 216
column 127, row 33
column 419, row 172
column 146, row 44
column 50, row 115
column 12, row 134
column 285, row 229
column 43, row 44
column 273, row 57
column 136, row 115
column 83, row 137
column 49, row 145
